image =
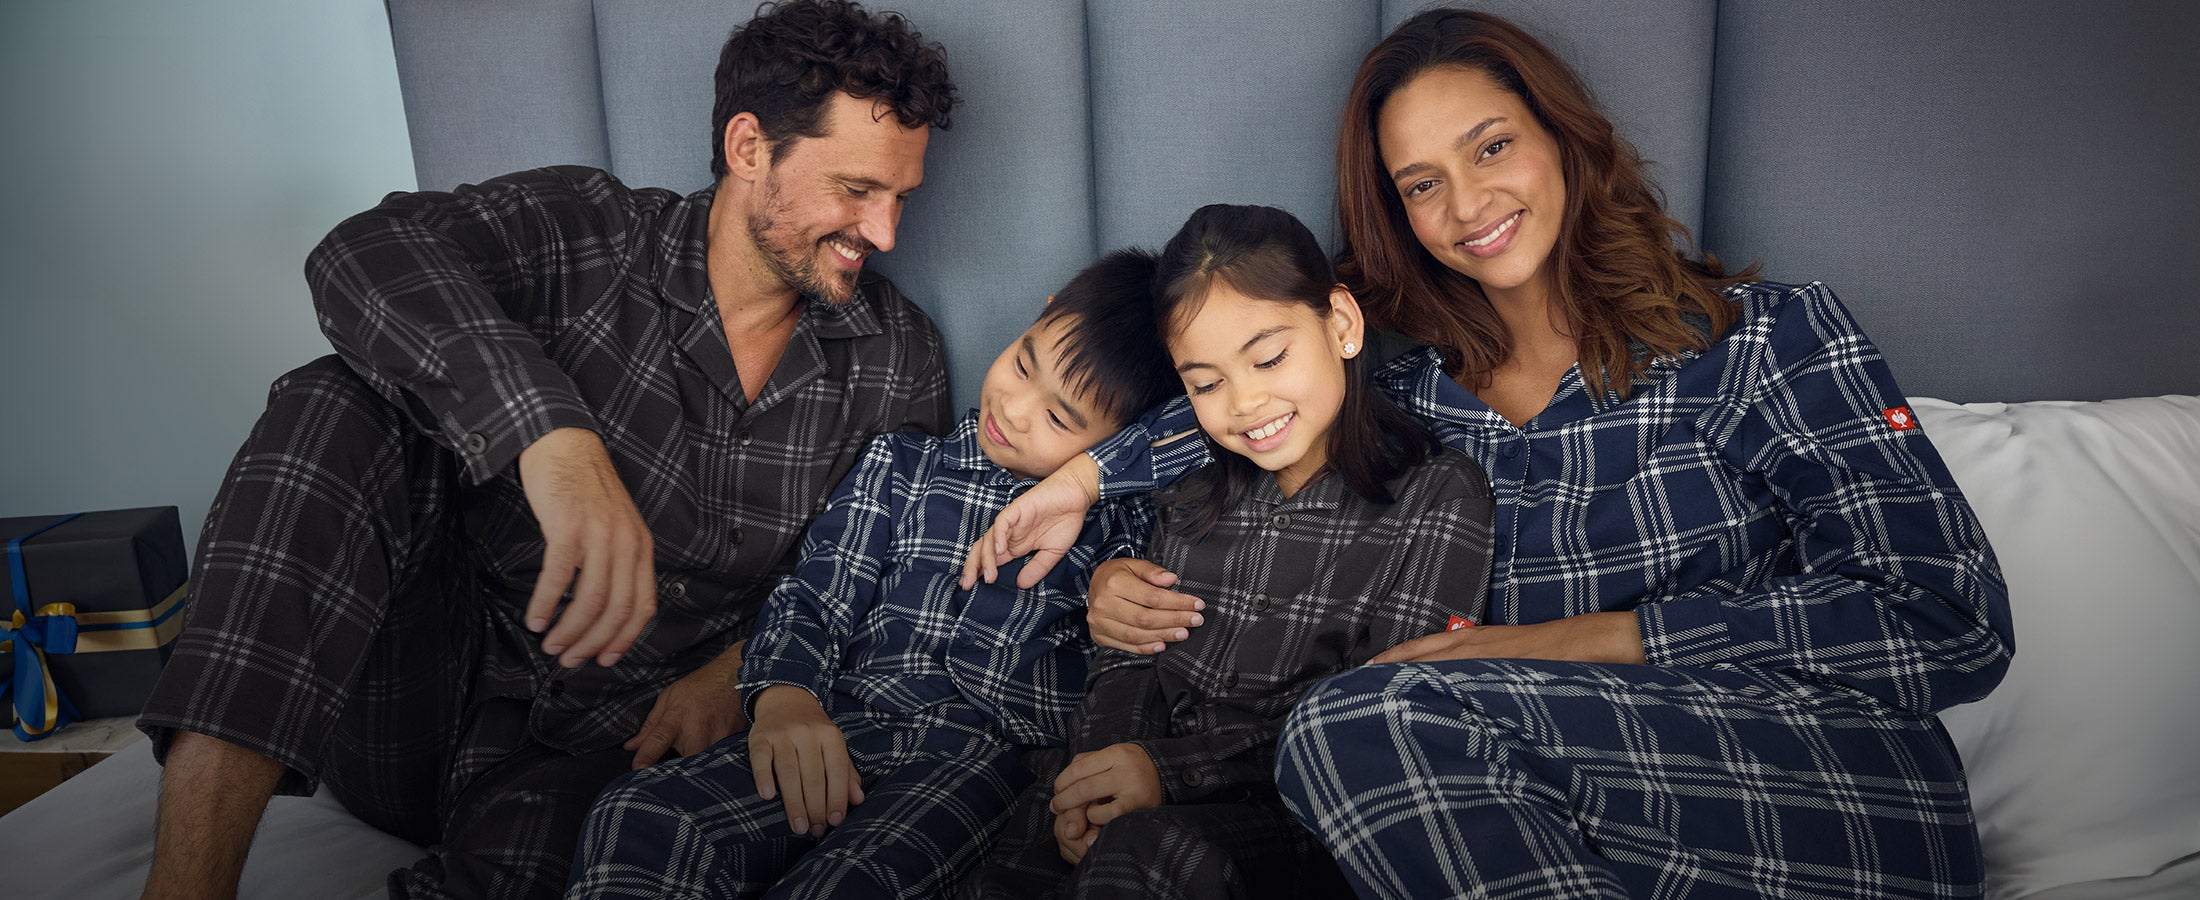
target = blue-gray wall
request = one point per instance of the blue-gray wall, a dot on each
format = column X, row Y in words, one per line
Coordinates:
column 168, row 166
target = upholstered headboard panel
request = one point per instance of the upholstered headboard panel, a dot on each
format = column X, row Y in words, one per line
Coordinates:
column 2006, row 220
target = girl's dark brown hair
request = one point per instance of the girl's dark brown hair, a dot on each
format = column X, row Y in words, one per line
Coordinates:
column 1267, row 254
column 1620, row 277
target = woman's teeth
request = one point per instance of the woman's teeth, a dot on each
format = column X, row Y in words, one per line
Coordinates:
column 1506, row 226
column 1269, row 430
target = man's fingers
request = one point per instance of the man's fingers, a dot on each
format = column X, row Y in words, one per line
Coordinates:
column 618, row 603
column 590, row 591
column 637, row 618
column 654, row 741
column 550, row 584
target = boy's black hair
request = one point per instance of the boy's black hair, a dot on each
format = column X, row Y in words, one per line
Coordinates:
column 1111, row 347
column 785, row 64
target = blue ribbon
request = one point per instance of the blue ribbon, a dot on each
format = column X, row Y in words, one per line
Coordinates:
column 36, row 635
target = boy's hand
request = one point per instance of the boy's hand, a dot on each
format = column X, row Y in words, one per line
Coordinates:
column 1106, row 783
column 1603, row 637
column 691, row 714
column 796, row 750
column 1131, row 608
column 594, row 541
column 1044, row 522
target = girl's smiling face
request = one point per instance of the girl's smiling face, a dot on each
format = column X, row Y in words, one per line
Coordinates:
column 1267, row 378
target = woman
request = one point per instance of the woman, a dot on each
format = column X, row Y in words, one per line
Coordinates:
column 1732, row 582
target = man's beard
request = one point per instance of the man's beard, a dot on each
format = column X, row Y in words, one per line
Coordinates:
column 795, row 263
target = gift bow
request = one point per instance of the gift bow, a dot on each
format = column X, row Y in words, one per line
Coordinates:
column 40, row 708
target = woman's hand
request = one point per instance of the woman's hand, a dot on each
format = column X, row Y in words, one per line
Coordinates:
column 1131, row 608
column 796, row 751
column 1097, row 787
column 1605, row 637
column 1044, row 522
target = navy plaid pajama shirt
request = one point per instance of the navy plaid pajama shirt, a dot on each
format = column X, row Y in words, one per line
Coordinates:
column 936, row 690
column 355, row 614
column 1810, row 586
column 1297, row 588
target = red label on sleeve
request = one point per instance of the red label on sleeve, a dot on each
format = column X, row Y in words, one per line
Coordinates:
column 1900, row 418
column 1457, row 623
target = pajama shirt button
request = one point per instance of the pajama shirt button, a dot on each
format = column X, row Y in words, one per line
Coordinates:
column 735, row 538
column 1280, row 521
column 1230, row 680
column 1512, row 450
column 475, row 443
column 747, row 438
column 1194, row 779
column 677, row 590
column 1260, row 603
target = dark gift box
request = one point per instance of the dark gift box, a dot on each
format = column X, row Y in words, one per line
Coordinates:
column 99, row 597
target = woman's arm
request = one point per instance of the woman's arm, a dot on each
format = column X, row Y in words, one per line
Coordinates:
column 1898, row 593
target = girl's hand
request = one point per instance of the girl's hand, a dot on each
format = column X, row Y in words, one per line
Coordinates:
column 1107, row 783
column 1044, row 522
column 795, row 749
column 1073, row 835
column 1605, row 637
column 1131, row 608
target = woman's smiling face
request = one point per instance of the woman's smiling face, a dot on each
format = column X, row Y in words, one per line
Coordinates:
column 1479, row 177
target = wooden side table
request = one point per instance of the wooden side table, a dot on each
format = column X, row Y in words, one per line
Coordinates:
column 31, row 768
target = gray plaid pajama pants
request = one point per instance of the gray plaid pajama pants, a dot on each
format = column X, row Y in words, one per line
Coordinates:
column 1248, row 848
column 328, row 629
column 1531, row 779
column 936, row 784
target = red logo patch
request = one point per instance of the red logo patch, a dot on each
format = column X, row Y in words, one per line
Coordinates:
column 1457, row 623
column 1900, row 418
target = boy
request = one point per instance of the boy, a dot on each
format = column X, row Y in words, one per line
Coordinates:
column 889, row 705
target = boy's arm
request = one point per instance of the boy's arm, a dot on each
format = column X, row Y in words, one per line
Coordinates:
column 806, row 625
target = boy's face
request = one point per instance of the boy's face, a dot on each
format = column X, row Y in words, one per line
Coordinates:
column 1029, row 421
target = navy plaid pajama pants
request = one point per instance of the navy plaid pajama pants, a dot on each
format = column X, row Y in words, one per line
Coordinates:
column 937, row 785
column 1521, row 778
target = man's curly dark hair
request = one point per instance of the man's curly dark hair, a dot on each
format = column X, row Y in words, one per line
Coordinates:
column 786, row 64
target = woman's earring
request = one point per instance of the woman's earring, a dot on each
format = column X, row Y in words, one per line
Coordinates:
column 1350, row 348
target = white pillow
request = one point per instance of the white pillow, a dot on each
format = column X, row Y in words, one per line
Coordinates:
column 2085, row 763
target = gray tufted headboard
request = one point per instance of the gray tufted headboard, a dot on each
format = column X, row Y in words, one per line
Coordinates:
column 2003, row 190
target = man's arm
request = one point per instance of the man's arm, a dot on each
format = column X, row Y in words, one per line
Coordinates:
column 444, row 303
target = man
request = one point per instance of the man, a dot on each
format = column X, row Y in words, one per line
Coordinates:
column 551, row 381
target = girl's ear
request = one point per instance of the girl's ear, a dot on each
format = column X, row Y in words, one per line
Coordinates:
column 1347, row 330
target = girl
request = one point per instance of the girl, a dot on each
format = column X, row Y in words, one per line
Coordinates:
column 1329, row 528
column 1733, row 581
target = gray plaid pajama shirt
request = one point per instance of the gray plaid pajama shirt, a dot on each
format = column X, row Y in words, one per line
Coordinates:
column 356, row 614
column 935, row 689
column 1297, row 589
column 1810, row 586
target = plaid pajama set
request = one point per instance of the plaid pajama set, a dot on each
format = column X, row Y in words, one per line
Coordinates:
column 936, row 690
column 1810, row 587
column 356, row 614
column 1297, row 589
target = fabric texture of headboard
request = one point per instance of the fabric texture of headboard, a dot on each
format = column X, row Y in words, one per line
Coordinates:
column 2000, row 190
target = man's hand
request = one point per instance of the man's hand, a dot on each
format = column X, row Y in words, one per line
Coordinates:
column 590, row 528
column 796, row 751
column 1044, row 522
column 1097, row 787
column 691, row 714
column 1605, row 637
column 1132, row 609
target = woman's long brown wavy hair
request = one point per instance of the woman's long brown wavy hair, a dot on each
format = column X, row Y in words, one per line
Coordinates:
column 1622, row 276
